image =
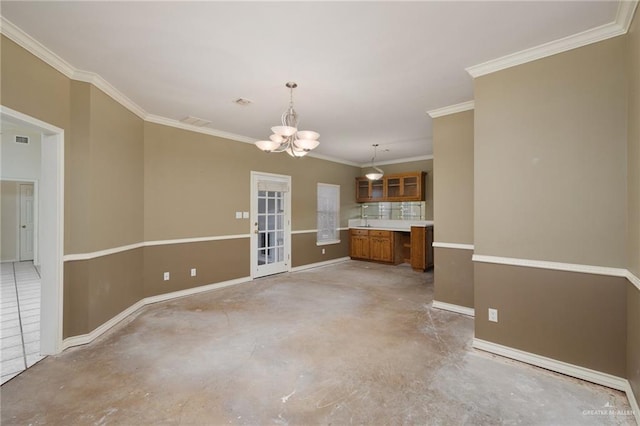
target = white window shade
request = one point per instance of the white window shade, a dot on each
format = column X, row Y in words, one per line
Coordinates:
column 269, row 185
column 328, row 214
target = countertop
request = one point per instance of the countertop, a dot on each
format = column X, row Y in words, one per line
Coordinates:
column 389, row 225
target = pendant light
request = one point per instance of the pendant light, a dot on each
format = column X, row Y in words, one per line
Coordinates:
column 287, row 138
column 376, row 172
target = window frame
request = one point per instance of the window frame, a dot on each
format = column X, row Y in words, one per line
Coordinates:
column 319, row 212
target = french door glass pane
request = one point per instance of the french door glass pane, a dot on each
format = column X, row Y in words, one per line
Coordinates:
column 270, row 227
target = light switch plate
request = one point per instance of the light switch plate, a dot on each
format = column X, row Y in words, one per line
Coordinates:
column 245, row 215
column 238, row 215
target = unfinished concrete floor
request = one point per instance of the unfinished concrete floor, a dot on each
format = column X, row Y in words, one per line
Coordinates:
column 354, row 343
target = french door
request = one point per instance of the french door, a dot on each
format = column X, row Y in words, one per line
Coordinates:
column 270, row 224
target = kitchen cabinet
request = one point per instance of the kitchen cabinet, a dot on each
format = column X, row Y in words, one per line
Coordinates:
column 375, row 245
column 396, row 187
column 369, row 190
column 394, row 247
column 421, row 248
column 381, row 246
column 359, row 244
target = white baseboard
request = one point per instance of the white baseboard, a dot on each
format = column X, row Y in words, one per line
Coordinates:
column 633, row 402
column 83, row 339
column 583, row 373
column 194, row 290
column 320, row 264
column 454, row 308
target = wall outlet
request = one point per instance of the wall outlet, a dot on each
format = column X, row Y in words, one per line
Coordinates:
column 193, row 272
column 323, row 252
column 166, row 276
column 238, row 215
column 493, row 315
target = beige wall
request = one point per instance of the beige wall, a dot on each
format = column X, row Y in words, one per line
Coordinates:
column 215, row 261
column 9, row 221
column 572, row 317
column 98, row 289
column 194, row 184
column 550, row 184
column 453, row 207
column 304, row 250
column 127, row 181
column 412, row 166
column 633, row 206
column 104, row 185
column 453, row 276
column 453, row 178
column 550, row 156
column 117, row 174
column 31, row 86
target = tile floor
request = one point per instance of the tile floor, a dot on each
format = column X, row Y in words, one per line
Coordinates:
column 20, row 318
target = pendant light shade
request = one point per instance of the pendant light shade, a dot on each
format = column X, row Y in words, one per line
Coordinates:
column 376, row 173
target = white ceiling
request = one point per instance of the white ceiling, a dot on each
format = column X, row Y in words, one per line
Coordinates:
column 367, row 71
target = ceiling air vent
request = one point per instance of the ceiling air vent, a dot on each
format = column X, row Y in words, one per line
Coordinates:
column 22, row 139
column 242, row 101
column 195, row 121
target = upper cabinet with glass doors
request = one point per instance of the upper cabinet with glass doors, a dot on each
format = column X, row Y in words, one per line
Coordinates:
column 397, row 187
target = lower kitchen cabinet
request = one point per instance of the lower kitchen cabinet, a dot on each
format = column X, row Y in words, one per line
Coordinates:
column 359, row 244
column 381, row 247
column 375, row 245
column 421, row 247
column 393, row 247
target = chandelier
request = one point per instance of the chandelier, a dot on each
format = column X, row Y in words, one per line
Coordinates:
column 376, row 172
column 287, row 138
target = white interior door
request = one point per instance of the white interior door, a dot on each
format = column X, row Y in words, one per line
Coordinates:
column 26, row 221
column 271, row 224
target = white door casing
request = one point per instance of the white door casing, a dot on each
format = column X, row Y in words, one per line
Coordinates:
column 270, row 224
column 49, row 192
column 26, row 224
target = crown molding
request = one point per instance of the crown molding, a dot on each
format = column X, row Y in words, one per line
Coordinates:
column 626, row 9
column 618, row 27
column 332, row 159
column 36, row 48
column 451, row 109
column 106, row 87
column 151, row 118
column 24, row 40
column 398, row 161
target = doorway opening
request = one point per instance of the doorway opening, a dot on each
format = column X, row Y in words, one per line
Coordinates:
column 36, row 269
column 271, row 224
